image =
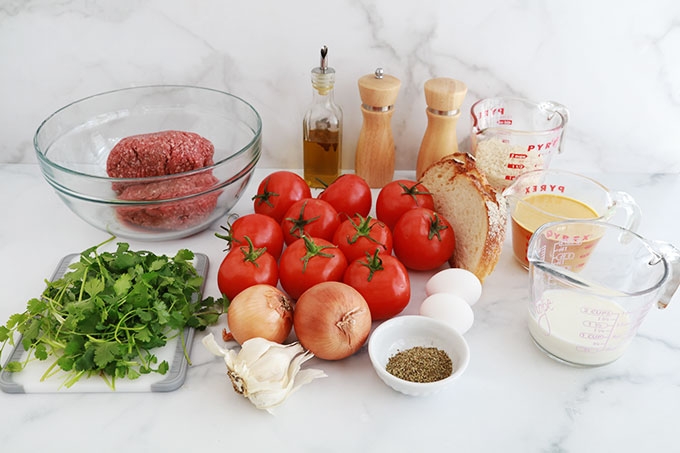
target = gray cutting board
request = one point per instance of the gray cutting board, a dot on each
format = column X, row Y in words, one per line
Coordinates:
column 28, row 380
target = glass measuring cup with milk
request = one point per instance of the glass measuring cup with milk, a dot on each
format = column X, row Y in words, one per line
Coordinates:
column 586, row 311
column 541, row 196
column 511, row 136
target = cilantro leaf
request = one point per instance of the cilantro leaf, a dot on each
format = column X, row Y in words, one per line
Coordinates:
column 183, row 256
column 14, row 367
column 5, row 334
column 65, row 363
column 162, row 313
column 30, row 332
column 93, row 286
column 132, row 373
column 157, row 265
column 163, row 367
column 143, row 335
column 74, row 346
column 36, row 306
column 123, row 284
column 85, row 361
column 123, row 261
column 105, row 353
column 40, row 352
column 16, row 319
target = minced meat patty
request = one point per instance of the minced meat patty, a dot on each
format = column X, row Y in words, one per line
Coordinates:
column 170, row 216
column 158, row 154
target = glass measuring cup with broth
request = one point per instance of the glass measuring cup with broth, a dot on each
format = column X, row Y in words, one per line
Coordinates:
column 542, row 196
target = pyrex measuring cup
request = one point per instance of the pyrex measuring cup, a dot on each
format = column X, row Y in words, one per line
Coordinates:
column 511, row 136
column 541, row 196
column 588, row 314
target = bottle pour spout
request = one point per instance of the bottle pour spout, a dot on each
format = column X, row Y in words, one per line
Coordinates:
column 323, row 76
column 323, row 65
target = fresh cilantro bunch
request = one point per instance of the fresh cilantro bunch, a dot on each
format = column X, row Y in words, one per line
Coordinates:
column 108, row 312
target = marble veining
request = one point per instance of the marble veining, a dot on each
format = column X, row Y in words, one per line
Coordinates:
column 614, row 65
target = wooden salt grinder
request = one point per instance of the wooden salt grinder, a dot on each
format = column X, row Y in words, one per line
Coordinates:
column 443, row 96
column 374, row 160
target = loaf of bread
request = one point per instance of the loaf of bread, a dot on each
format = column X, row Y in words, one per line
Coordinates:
column 477, row 213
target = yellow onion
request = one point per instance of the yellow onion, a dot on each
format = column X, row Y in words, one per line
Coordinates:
column 262, row 311
column 332, row 320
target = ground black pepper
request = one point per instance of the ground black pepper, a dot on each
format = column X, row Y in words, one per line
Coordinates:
column 420, row 364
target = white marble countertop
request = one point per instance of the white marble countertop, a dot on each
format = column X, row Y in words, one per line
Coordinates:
column 511, row 398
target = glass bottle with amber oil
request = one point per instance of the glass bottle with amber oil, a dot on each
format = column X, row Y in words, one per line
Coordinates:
column 322, row 129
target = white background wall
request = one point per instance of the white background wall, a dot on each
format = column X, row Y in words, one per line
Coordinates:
column 614, row 64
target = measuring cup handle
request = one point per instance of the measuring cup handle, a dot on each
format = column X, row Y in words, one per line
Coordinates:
column 628, row 204
column 564, row 113
column 672, row 256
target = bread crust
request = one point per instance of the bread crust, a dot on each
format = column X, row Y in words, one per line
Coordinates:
column 440, row 178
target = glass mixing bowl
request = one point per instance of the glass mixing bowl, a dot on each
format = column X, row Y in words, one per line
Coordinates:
column 73, row 145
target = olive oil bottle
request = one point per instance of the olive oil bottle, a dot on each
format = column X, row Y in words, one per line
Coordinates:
column 322, row 129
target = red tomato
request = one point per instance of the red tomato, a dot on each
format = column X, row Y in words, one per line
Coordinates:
column 309, row 261
column 384, row 283
column 310, row 217
column 349, row 195
column 278, row 191
column 358, row 235
column 262, row 230
column 244, row 267
column 397, row 197
column 423, row 239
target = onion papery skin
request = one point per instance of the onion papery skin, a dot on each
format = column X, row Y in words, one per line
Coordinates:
column 260, row 311
column 332, row 320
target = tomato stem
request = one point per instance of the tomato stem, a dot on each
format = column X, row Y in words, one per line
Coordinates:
column 363, row 229
column 436, row 225
column 314, row 250
column 412, row 191
column 229, row 237
column 299, row 224
column 373, row 263
column 265, row 195
column 252, row 254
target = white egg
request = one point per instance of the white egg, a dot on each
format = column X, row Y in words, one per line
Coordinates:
column 460, row 282
column 449, row 308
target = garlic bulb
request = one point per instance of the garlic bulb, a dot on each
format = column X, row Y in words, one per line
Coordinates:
column 263, row 371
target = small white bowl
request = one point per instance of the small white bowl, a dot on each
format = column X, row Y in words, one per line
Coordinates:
column 404, row 332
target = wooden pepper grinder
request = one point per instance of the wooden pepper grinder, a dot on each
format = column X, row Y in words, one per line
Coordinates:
column 443, row 96
column 375, row 148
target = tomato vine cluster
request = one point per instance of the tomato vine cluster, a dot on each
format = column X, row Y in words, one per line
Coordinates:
column 298, row 240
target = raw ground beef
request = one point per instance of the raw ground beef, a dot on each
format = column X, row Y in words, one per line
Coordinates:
column 157, row 154
column 170, row 216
